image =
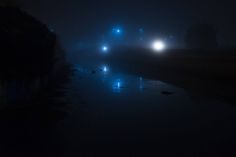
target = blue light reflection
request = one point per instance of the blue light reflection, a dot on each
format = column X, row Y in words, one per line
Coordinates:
column 105, row 69
column 117, row 85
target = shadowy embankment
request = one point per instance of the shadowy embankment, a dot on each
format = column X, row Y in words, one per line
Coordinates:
column 206, row 72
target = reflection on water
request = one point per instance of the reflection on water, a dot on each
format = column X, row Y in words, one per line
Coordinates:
column 105, row 69
column 117, row 86
column 118, row 82
column 141, row 84
column 130, row 109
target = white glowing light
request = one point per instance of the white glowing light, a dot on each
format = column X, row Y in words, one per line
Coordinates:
column 158, row 45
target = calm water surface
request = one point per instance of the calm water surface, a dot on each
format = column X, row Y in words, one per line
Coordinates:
column 122, row 113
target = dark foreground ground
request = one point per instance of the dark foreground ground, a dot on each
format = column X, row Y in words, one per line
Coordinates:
column 133, row 109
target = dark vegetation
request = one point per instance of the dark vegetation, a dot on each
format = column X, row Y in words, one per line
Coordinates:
column 34, row 70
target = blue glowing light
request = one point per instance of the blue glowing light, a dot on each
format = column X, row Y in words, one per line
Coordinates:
column 104, row 48
column 117, row 31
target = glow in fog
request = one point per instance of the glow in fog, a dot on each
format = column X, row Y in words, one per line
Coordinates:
column 104, row 48
column 158, row 45
column 117, row 31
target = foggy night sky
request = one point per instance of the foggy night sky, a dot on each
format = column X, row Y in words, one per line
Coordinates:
column 77, row 20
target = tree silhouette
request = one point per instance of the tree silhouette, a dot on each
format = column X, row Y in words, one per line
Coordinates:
column 10, row 3
column 30, row 54
column 203, row 36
